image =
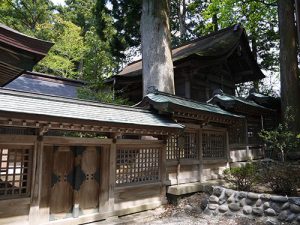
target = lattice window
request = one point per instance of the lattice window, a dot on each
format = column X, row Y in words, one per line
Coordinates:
column 189, row 150
column 172, row 147
column 15, row 172
column 214, row 144
column 137, row 165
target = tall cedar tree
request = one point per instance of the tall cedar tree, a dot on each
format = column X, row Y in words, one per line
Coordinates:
column 290, row 84
column 156, row 48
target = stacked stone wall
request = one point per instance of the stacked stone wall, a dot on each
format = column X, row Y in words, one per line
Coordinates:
column 275, row 209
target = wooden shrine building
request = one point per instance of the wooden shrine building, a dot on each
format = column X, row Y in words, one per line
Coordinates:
column 219, row 60
column 70, row 161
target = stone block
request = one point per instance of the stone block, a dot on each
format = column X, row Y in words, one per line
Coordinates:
column 213, row 206
column 213, row 199
column 234, row 206
column 247, row 209
column 257, row 211
column 295, row 208
column 280, row 199
column 259, row 202
column 270, row 212
column 266, row 205
column 223, row 208
column 253, row 196
column 283, row 215
column 285, row 206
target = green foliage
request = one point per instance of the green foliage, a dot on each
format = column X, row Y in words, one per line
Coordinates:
column 243, row 178
column 65, row 56
column 281, row 139
column 281, row 178
column 100, row 95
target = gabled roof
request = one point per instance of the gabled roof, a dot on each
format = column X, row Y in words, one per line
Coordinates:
column 36, row 106
column 46, row 84
column 213, row 47
column 233, row 103
column 170, row 103
column 265, row 100
column 19, row 52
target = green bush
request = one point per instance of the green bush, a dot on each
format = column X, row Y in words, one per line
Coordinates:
column 243, row 178
column 281, row 178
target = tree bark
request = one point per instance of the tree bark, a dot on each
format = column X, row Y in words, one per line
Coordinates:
column 289, row 78
column 182, row 17
column 156, row 49
column 254, row 52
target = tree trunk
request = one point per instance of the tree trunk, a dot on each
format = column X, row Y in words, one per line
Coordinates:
column 254, row 52
column 156, row 50
column 182, row 17
column 215, row 22
column 290, row 88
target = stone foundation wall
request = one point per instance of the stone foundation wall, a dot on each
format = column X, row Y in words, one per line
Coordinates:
column 274, row 209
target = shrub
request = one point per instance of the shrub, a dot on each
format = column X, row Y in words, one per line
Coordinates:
column 281, row 178
column 243, row 178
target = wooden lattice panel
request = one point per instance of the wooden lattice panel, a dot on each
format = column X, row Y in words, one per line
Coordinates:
column 214, row 144
column 189, row 150
column 15, row 172
column 172, row 147
column 137, row 165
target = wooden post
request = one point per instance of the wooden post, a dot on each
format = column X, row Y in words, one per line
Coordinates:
column 200, row 156
column 104, row 180
column 36, row 182
column 163, row 171
column 112, row 174
column 228, row 149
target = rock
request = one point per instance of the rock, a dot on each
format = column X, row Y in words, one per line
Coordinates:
column 252, row 195
column 298, row 218
column 275, row 206
column 259, row 202
column 247, row 209
column 266, row 205
column 213, row 199
column 295, row 200
column 265, row 197
column 242, row 194
column 231, row 198
column 228, row 214
column 188, row 208
column 290, row 218
column 229, row 192
column 207, row 212
column 295, row 208
column 276, row 198
column 243, row 202
column 285, row 206
column 217, row 191
column 249, row 201
column 270, row 212
column 213, row 206
column 222, row 201
column 203, row 203
column 234, row 206
column 257, row 211
column 223, row 208
column 283, row 215
column 271, row 222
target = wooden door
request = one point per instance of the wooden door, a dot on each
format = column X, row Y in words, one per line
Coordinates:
column 61, row 197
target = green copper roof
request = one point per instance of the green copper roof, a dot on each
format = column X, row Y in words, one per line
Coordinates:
column 229, row 101
column 166, row 100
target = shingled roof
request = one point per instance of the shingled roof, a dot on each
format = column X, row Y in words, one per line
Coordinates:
column 19, row 52
column 46, row 84
column 212, row 47
column 35, row 106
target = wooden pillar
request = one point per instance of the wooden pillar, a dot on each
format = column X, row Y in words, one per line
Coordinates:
column 112, row 174
column 36, row 182
column 163, row 171
column 104, row 180
column 200, row 156
column 227, row 149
